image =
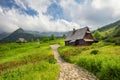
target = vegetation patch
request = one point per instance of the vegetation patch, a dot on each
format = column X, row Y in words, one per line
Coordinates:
column 101, row 58
column 94, row 52
column 41, row 70
column 18, row 61
column 51, row 59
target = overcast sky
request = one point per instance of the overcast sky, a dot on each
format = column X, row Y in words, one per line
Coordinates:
column 57, row 15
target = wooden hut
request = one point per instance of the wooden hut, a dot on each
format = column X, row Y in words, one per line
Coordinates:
column 81, row 37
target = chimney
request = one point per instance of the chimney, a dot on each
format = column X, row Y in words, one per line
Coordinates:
column 74, row 29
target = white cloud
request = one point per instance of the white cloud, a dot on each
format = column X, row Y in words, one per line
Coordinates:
column 12, row 19
column 111, row 4
column 92, row 13
column 39, row 5
column 21, row 3
column 8, row 21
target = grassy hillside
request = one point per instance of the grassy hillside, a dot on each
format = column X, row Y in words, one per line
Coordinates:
column 28, row 61
column 19, row 33
column 109, row 33
column 101, row 58
column 3, row 35
column 109, row 26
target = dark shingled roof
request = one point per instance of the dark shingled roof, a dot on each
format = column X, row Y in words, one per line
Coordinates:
column 77, row 34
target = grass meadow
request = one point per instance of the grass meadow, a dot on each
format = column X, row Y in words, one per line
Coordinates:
column 28, row 61
column 35, row 60
column 102, row 59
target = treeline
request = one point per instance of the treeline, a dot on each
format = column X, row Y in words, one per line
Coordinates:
column 29, row 38
column 113, row 36
column 46, row 38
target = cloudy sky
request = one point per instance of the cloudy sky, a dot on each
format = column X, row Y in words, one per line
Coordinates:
column 57, row 15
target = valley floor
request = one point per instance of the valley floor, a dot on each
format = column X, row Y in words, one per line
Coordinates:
column 18, row 61
column 27, row 61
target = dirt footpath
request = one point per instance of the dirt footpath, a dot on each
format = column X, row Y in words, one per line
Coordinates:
column 69, row 71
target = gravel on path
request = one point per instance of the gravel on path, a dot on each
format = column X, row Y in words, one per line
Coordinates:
column 70, row 71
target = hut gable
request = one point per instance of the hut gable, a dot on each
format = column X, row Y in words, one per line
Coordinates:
column 81, row 36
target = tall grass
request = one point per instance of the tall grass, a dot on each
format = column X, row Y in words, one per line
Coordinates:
column 106, row 67
column 28, row 61
column 101, row 58
column 38, row 71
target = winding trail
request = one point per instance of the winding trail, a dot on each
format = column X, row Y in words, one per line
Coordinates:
column 70, row 71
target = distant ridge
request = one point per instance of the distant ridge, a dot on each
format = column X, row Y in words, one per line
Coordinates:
column 20, row 30
column 19, row 33
column 110, row 32
column 106, row 27
column 3, row 35
column 29, row 35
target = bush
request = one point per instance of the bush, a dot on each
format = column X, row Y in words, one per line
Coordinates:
column 52, row 60
column 117, row 40
column 45, row 38
column 97, row 35
column 114, row 37
column 94, row 52
column 52, row 37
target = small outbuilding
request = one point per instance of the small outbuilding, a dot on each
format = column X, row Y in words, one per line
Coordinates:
column 80, row 37
column 21, row 40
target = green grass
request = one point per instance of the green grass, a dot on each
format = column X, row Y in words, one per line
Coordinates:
column 28, row 61
column 41, row 70
column 104, row 63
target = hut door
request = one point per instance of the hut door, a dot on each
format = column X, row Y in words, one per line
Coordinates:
column 77, row 42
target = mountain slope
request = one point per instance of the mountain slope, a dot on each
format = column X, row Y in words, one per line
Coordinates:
column 19, row 33
column 109, row 33
column 109, row 26
column 3, row 35
column 29, row 35
column 114, row 36
column 41, row 34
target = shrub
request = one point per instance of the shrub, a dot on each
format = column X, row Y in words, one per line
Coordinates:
column 52, row 37
column 52, row 60
column 97, row 35
column 94, row 52
column 45, row 38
